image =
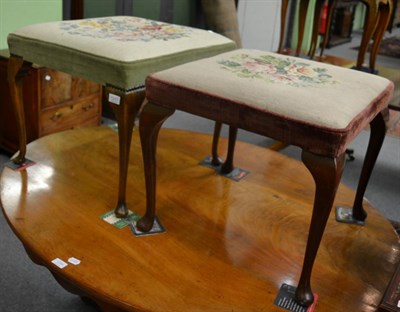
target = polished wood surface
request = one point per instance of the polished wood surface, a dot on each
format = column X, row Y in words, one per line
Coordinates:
column 228, row 245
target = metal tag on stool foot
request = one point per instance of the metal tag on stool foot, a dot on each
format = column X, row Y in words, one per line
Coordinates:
column 236, row 174
column 206, row 162
column 119, row 223
column 286, row 300
column 156, row 229
column 18, row 167
column 345, row 215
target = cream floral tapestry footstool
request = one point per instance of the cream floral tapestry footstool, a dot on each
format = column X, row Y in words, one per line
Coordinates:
column 319, row 107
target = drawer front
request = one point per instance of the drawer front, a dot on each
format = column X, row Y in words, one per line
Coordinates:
column 64, row 117
column 58, row 87
column 55, row 87
column 82, row 88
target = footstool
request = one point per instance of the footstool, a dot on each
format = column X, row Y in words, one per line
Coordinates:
column 118, row 52
column 319, row 107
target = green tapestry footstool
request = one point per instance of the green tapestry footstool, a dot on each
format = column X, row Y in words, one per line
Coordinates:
column 319, row 107
column 118, row 52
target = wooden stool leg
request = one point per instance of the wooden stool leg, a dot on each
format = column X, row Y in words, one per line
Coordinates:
column 377, row 135
column 385, row 12
column 151, row 120
column 215, row 161
column 17, row 71
column 326, row 172
column 302, row 22
column 227, row 166
column 283, row 24
column 125, row 106
column 316, row 24
column 369, row 27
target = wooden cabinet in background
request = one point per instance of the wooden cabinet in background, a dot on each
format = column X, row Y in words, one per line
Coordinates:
column 53, row 101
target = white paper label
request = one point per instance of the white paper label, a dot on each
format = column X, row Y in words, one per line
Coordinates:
column 74, row 261
column 113, row 98
column 58, row 262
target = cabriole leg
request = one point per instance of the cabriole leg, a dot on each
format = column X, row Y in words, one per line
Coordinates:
column 377, row 135
column 227, row 166
column 17, row 71
column 331, row 7
column 151, row 120
column 125, row 105
column 326, row 172
column 369, row 28
column 215, row 161
column 283, row 25
column 302, row 23
column 385, row 12
column 316, row 25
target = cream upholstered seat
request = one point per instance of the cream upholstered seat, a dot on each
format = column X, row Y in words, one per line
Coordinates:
column 316, row 106
column 118, row 52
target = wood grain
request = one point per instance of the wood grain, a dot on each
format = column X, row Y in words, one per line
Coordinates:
column 73, row 102
column 228, row 245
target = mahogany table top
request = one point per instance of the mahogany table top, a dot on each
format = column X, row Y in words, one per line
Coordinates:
column 228, row 245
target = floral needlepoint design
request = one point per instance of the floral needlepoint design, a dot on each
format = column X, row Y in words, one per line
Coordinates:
column 127, row 29
column 274, row 69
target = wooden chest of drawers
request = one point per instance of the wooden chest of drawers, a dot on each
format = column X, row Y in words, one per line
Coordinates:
column 54, row 101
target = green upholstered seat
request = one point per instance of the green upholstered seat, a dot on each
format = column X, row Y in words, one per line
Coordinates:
column 119, row 51
column 316, row 106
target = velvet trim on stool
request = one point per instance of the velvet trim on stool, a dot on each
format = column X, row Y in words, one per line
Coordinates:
column 315, row 106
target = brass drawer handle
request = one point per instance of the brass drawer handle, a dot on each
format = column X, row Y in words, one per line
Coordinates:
column 55, row 116
column 87, row 107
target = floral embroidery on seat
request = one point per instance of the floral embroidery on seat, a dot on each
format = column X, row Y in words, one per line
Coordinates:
column 126, row 29
column 274, row 69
